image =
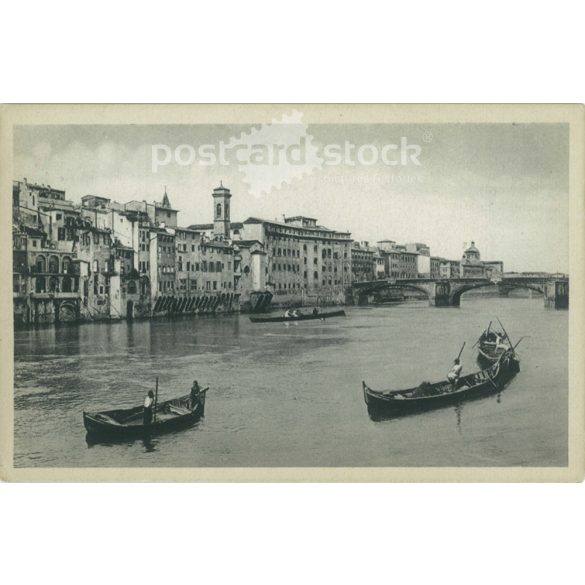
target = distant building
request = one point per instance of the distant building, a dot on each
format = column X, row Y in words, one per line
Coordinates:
column 379, row 264
column 493, row 268
column 423, row 260
column 386, row 245
column 363, row 267
column 435, row 263
column 408, row 264
column 471, row 265
column 306, row 262
column 450, row 269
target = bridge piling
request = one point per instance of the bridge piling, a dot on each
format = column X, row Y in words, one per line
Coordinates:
column 556, row 294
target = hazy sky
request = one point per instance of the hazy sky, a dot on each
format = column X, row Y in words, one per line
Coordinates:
column 505, row 186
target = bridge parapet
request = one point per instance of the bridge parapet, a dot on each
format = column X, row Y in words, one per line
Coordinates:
column 447, row 292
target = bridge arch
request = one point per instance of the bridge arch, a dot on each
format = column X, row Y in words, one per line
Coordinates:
column 515, row 286
column 384, row 285
column 455, row 296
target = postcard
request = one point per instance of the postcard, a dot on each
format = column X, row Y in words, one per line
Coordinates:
column 292, row 293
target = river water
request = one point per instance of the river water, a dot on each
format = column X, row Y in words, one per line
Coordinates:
column 290, row 395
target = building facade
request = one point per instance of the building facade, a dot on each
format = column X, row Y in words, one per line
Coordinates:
column 306, row 263
column 363, row 265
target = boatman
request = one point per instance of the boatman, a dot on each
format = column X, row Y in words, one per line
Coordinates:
column 455, row 373
column 195, row 390
column 148, row 404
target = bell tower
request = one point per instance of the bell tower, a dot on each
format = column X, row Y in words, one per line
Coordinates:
column 221, row 212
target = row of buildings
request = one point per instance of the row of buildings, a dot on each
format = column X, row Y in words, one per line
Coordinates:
column 101, row 259
column 388, row 259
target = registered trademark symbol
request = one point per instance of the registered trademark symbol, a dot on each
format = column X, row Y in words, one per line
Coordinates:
column 427, row 136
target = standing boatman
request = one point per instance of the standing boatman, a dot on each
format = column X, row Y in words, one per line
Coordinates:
column 455, row 373
column 195, row 390
column 148, row 404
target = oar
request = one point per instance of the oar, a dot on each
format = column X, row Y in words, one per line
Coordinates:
column 518, row 343
column 506, row 333
column 486, row 333
column 155, row 400
column 461, row 351
column 487, row 373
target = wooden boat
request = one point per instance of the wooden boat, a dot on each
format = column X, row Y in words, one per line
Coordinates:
column 301, row 317
column 384, row 404
column 491, row 346
column 170, row 415
column 489, row 353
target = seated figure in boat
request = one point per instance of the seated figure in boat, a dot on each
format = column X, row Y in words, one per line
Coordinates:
column 455, row 373
column 315, row 311
column 288, row 314
column 501, row 343
column 296, row 313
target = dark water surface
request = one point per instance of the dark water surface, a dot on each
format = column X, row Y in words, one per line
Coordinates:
column 286, row 395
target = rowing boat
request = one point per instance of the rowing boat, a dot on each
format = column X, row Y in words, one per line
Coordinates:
column 170, row 415
column 491, row 346
column 301, row 317
column 387, row 403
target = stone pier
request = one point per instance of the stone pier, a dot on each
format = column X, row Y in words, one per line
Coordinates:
column 556, row 294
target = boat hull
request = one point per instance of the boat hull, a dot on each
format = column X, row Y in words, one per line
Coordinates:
column 488, row 354
column 102, row 425
column 490, row 381
column 308, row 317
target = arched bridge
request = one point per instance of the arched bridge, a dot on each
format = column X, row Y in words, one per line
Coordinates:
column 447, row 292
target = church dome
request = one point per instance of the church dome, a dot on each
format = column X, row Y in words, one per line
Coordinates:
column 472, row 249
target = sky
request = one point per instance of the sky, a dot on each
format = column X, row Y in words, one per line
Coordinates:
column 504, row 186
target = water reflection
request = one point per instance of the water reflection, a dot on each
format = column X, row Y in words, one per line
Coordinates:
column 149, row 442
column 458, row 413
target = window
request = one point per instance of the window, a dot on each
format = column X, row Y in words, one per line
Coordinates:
column 40, row 264
column 53, row 264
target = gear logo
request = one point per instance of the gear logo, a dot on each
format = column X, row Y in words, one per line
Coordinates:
column 275, row 154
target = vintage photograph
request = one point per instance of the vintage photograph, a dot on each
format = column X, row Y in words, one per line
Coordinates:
column 285, row 289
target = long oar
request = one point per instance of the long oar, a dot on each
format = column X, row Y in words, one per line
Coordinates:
column 518, row 342
column 155, row 400
column 487, row 373
column 506, row 333
column 461, row 351
column 487, row 332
